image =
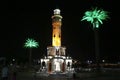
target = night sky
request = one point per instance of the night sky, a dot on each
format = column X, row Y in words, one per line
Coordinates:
column 22, row 19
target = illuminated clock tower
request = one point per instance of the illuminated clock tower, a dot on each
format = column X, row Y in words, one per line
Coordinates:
column 56, row 59
column 56, row 48
column 56, row 23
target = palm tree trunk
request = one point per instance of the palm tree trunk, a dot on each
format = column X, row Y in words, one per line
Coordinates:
column 30, row 57
column 97, row 49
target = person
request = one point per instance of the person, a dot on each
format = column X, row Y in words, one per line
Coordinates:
column 14, row 75
column 14, row 72
column 4, row 72
column 74, row 75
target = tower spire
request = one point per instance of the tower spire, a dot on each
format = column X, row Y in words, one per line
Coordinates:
column 56, row 24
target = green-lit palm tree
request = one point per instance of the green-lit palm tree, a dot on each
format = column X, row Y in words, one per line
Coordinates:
column 96, row 17
column 30, row 43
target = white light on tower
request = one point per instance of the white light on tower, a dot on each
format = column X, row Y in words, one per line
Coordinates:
column 56, row 11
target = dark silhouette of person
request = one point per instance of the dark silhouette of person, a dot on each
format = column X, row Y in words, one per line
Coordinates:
column 14, row 72
column 5, row 72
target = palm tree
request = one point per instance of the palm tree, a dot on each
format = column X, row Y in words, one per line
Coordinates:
column 30, row 43
column 96, row 16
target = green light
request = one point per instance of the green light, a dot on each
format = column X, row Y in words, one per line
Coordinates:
column 95, row 17
column 30, row 43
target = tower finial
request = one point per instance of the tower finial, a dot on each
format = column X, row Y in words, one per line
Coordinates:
column 57, row 11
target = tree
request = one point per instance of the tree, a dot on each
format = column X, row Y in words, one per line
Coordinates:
column 30, row 43
column 96, row 16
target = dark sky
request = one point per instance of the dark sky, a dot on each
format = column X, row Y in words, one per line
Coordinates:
column 22, row 19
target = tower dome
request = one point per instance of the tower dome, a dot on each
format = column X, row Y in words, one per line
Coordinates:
column 57, row 11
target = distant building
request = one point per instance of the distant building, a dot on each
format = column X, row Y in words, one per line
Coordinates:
column 56, row 59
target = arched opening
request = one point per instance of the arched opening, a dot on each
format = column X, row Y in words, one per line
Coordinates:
column 57, row 66
column 43, row 64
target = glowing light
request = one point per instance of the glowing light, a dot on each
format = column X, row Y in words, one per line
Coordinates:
column 30, row 43
column 56, row 41
column 57, row 66
column 95, row 17
column 56, row 11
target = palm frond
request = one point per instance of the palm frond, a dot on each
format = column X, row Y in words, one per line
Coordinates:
column 31, row 43
column 95, row 15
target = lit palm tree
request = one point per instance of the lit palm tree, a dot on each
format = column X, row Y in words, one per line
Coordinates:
column 30, row 43
column 96, row 16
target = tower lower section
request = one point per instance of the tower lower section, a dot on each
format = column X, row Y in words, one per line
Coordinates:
column 56, row 60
